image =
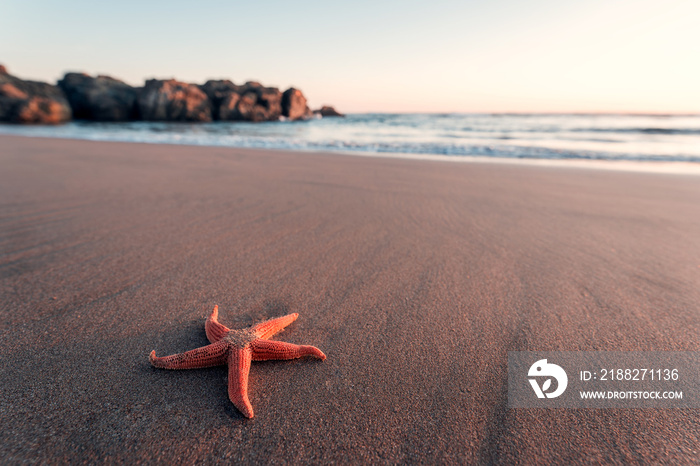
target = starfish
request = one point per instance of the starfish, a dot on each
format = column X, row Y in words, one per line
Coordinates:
column 237, row 348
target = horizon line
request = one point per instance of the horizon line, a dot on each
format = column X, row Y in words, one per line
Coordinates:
column 525, row 113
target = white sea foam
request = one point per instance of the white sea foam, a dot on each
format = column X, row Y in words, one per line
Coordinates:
column 640, row 142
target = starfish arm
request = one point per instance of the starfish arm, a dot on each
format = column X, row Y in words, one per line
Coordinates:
column 264, row 350
column 238, row 368
column 215, row 331
column 206, row 356
column 268, row 328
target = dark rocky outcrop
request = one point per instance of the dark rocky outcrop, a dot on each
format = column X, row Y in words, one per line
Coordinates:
column 103, row 98
column 328, row 111
column 171, row 100
column 294, row 105
column 249, row 102
column 99, row 99
column 31, row 101
column 217, row 91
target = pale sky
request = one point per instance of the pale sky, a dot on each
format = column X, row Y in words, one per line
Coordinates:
column 382, row 56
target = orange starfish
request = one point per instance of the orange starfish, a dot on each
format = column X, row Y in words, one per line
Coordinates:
column 237, row 348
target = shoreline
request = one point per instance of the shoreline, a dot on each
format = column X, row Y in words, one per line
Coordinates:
column 414, row 277
column 660, row 167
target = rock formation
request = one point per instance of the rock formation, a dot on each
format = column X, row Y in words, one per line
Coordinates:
column 294, row 105
column 249, row 102
column 99, row 99
column 219, row 91
column 328, row 111
column 103, row 98
column 31, row 101
column 172, row 100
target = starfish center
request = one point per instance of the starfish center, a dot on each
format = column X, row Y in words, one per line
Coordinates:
column 240, row 337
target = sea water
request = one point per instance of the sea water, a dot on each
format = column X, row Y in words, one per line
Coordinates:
column 649, row 140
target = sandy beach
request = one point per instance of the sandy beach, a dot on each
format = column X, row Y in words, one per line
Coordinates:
column 414, row 277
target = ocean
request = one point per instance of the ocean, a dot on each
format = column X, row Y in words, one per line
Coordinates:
column 656, row 142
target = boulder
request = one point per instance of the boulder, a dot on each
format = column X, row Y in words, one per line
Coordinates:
column 171, row 100
column 294, row 105
column 269, row 102
column 99, row 99
column 217, row 91
column 31, row 101
column 249, row 102
column 241, row 107
column 328, row 111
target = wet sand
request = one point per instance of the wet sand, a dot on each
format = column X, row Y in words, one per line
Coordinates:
column 414, row 277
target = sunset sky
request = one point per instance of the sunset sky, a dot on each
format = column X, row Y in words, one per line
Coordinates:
column 398, row 56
